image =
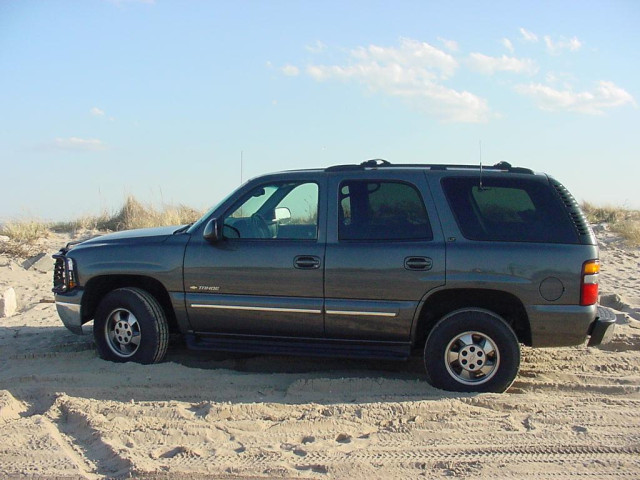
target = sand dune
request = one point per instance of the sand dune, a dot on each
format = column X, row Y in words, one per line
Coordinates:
column 64, row 413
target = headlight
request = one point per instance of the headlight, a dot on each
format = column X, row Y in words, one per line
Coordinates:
column 64, row 274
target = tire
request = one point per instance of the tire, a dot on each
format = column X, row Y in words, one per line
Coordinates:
column 472, row 350
column 130, row 325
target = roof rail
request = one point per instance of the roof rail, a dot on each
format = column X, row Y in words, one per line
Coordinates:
column 380, row 163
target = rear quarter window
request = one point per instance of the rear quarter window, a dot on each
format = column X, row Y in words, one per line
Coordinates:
column 508, row 210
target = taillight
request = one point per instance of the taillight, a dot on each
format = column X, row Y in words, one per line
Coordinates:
column 589, row 284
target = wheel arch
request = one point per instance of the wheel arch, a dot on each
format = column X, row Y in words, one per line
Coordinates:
column 444, row 302
column 96, row 289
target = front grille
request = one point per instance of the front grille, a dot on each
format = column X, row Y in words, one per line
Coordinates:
column 578, row 218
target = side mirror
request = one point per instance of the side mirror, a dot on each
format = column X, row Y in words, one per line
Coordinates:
column 282, row 214
column 212, row 231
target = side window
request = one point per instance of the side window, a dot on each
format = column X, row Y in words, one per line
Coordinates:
column 503, row 205
column 276, row 211
column 509, row 210
column 381, row 210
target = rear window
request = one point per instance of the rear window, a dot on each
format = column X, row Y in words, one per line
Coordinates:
column 508, row 210
column 382, row 210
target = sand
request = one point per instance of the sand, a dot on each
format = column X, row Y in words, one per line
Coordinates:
column 64, row 413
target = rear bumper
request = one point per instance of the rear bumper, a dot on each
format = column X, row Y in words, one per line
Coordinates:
column 68, row 306
column 602, row 328
column 560, row 325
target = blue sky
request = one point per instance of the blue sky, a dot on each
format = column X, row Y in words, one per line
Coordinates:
column 101, row 99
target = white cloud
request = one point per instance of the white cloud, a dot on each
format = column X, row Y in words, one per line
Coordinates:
column 413, row 72
column 450, row 45
column 508, row 45
column 317, row 47
column 605, row 95
column 411, row 53
column 78, row 144
column 555, row 48
column 290, row 70
column 528, row 36
column 490, row 65
column 96, row 112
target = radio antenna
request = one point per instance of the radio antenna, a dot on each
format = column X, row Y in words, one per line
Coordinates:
column 480, row 147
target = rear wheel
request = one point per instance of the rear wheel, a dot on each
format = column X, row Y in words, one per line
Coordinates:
column 472, row 350
column 130, row 325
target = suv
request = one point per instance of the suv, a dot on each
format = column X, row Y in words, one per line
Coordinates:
column 373, row 261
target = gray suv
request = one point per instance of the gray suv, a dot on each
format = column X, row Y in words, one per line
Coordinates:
column 376, row 260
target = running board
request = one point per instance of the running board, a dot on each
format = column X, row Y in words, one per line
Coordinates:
column 300, row 347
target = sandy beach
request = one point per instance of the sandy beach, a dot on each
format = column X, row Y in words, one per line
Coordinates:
column 64, row 413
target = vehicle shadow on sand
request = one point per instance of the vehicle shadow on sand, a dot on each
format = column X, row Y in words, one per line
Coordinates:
column 46, row 362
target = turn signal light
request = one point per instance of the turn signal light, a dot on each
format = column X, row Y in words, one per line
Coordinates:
column 590, row 282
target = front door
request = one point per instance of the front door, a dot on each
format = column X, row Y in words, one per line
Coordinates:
column 265, row 277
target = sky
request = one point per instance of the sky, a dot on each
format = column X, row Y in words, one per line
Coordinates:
column 178, row 102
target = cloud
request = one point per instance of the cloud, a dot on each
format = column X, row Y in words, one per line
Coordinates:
column 411, row 53
column 96, row 112
column 414, row 71
column 490, row 65
column 317, row 47
column 507, row 44
column 604, row 96
column 528, row 36
column 78, row 144
column 555, row 48
column 450, row 45
column 290, row 70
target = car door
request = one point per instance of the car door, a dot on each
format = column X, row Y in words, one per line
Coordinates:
column 265, row 275
column 384, row 253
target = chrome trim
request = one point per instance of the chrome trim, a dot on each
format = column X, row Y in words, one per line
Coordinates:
column 256, row 309
column 71, row 306
column 70, row 315
column 363, row 314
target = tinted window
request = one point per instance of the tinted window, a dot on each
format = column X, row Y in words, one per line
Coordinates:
column 507, row 209
column 276, row 211
column 380, row 210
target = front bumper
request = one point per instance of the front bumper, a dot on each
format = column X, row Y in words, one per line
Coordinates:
column 69, row 306
column 603, row 327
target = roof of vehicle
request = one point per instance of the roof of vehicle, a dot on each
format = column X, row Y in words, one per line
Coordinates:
column 380, row 164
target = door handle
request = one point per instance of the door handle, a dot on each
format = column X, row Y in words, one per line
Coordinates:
column 418, row 263
column 307, row 262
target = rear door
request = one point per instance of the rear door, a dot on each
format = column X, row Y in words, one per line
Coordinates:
column 384, row 252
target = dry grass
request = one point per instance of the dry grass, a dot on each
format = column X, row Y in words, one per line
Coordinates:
column 621, row 220
column 133, row 214
column 26, row 232
column 24, row 236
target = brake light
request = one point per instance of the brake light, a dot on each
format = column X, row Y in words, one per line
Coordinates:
column 589, row 284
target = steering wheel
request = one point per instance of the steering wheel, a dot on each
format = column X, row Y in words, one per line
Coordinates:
column 260, row 225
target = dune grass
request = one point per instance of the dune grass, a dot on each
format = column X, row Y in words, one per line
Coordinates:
column 133, row 214
column 623, row 221
column 25, row 236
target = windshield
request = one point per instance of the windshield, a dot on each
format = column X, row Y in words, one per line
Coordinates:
column 208, row 213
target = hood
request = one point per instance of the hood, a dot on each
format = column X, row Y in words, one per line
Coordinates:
column 146, row 235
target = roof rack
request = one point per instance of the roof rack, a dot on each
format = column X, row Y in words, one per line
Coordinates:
column 380, row 163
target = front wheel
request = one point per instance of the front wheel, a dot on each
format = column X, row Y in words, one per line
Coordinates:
column 472, row 350
column 130, row 325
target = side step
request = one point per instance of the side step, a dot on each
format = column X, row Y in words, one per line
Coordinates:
column 301, row 347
